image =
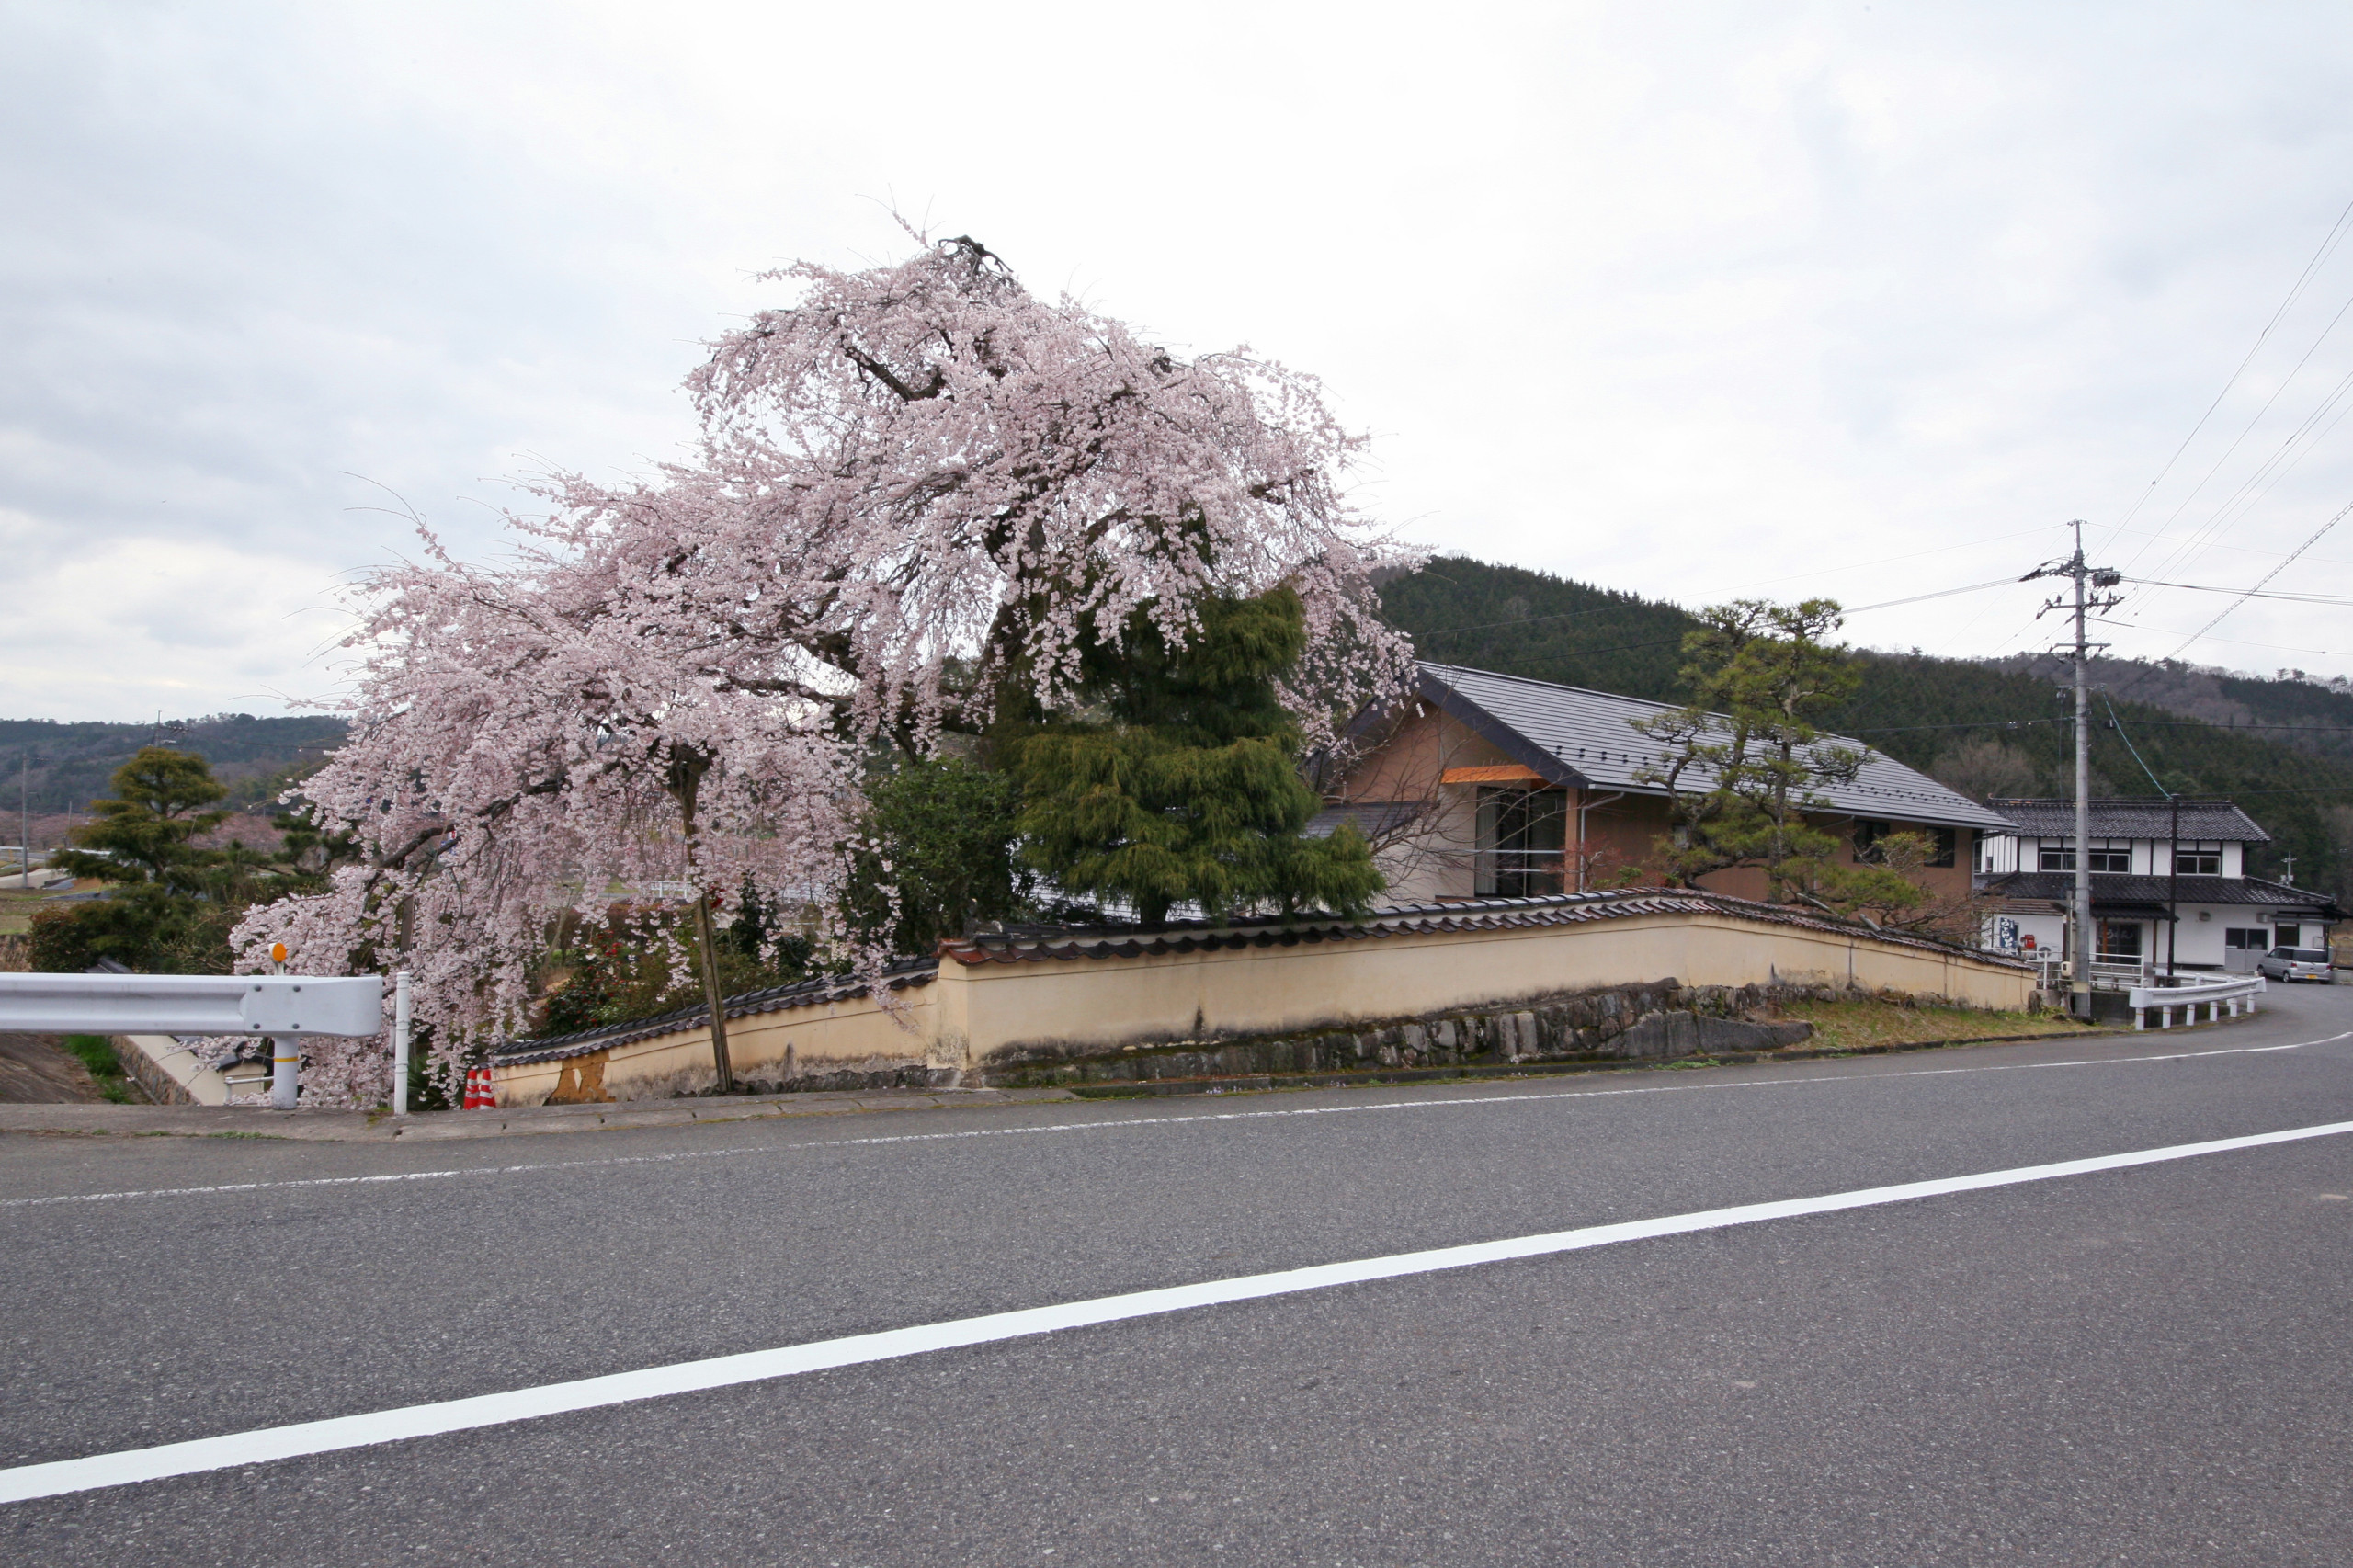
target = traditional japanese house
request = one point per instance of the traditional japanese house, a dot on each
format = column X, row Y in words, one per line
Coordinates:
column 2169, row 889
column 1482, row 785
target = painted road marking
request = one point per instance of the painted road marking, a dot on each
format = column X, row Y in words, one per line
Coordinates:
column 462, row 1172
column 239, row 1449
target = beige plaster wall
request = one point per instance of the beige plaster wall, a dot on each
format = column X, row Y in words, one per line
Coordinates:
column 853, row 1035
column 981, row 1015
column 1073, row 1006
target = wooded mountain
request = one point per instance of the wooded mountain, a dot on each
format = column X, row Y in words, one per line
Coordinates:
column 72, row 762
column 1985, row 728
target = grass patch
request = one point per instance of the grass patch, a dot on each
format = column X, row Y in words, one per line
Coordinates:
column 1846, row 1026
column 16, row 907
column 97, row 1052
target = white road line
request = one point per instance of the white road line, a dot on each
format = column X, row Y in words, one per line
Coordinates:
column 1174, row 1120
column 133, row 1465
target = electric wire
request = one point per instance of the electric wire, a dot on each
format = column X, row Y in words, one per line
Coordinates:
column 2263, row 481
column 2205, row 532
column 2123, row 734
column 2329, row 243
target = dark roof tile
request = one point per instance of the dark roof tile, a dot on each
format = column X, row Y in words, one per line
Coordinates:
column 2115, row 890
column 1575, row 736
column 2211, row 822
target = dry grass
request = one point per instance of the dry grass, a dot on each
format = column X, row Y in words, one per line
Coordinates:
column 16, row 905
column 1843, row 1025
column 17, row 911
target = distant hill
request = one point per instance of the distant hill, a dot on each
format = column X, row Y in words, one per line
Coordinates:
column 72, row 762
column 1983, row 727
column 2293, row 709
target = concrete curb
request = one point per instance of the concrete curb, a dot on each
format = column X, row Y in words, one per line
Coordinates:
column 375, row 1127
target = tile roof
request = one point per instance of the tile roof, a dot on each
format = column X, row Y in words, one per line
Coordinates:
column 2211, row 822
column 815, row 993
column 1042, row 944
column 2111, row 890
column 1575, row 736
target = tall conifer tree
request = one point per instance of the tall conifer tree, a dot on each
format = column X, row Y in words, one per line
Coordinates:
column 1178, row 782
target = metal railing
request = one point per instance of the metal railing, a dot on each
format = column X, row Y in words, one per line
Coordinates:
column 2105, row 975
column 1521, row 873
column 2212, row 994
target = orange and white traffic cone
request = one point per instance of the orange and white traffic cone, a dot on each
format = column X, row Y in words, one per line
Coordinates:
column 480, row 1094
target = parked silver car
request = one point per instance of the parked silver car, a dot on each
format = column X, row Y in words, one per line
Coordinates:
column 2294, row 963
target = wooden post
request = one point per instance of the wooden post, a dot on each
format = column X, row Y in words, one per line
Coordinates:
column 686, row 769
column 710, row 995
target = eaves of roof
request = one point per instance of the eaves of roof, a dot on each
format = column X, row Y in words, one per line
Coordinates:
column 2109, row 890
column 1496, row 733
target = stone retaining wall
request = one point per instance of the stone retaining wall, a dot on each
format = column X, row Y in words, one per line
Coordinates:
column 1661, row 1021
column 160, row 1087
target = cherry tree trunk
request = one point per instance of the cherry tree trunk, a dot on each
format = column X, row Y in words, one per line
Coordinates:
column 703, row 936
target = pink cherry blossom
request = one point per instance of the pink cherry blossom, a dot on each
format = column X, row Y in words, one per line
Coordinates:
column 910, row 482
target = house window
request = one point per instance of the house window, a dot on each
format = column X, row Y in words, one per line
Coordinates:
column 1944, row 843
column 1523, row 834
column 2113, row 856
column 2119, row 942
column 2252, row 938
column 2199, row 860
column 2287, row 936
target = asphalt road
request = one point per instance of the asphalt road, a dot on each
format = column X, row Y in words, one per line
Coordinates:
column 2135, row 1367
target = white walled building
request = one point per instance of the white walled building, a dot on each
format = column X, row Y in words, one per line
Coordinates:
column 2226, row 918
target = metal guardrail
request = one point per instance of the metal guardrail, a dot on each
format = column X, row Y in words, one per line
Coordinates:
column 281, row 1005
column 2212, row 994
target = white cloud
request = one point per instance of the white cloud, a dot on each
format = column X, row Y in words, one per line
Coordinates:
column 1676, row 300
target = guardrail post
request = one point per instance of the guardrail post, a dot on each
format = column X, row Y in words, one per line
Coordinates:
column 399, row 1043
column 285, row 1069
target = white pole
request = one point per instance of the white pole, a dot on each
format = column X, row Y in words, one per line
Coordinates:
column 285, row 1063
column 286, row 1053
column 399, row 1043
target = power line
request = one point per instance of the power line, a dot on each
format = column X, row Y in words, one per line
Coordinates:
column 1598, row 609
column 1939, row 593
column 2144, row 724
column 2266, row 577
column 2205, row 532
column 2234, row 641
column 2125, row 735
column 2329, row 243
column 2298, row 445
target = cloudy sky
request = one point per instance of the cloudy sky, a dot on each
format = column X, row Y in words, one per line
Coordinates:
column 1861, row 299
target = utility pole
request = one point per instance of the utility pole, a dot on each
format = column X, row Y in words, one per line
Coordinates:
column 2090, row 592
column 2172, row 888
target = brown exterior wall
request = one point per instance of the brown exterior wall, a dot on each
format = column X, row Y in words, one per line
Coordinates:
column 1436, row 859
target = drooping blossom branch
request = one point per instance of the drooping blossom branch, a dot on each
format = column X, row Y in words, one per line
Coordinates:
column 916, row 484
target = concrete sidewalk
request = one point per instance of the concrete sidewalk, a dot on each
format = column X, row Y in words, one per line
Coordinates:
column 377, row 1127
